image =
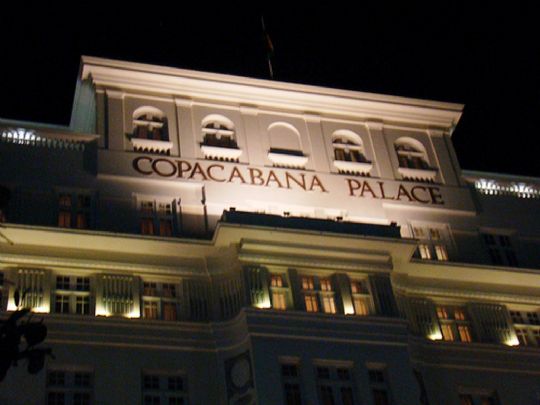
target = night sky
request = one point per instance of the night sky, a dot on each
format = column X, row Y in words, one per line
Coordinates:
column 485, row 58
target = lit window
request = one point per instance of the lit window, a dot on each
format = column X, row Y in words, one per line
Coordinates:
column 157, row 217
column 326, row 285
column 311, row 303
column 527, row 327
column 74, row 210
column 278, row 291
column 276, row 280
column 433, row 242
column 424, row 251
column 278, row 300
column 307, row 283
column 150, row 310
column 159, row 301
column 329, row 304
column 441, row 253
column 361, row 297
column 454, row 323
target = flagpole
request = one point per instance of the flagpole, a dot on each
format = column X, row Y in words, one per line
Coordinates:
column 270, row 48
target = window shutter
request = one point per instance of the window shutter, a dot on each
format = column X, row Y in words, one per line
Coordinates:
column 118, row 295
column 298, row 302
column 196, row 295
column 342, row 286
column 383, row 295
column 257, row 282
column 422, row 318
column 492, row 323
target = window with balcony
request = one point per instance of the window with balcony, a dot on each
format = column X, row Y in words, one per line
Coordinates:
column 413, row 163
column 74, row 210
column 455, row 324
column 285, row 147
column 159, row 301
column 150, row 131
column 349, row 154
column 219, row 139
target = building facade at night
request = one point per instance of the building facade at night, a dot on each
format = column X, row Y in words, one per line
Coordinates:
column 195, row 238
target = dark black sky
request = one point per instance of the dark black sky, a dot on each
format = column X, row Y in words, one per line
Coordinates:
column 485, row 58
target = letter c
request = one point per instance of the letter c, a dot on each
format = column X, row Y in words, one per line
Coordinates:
column 413, row 193
column 137, row 167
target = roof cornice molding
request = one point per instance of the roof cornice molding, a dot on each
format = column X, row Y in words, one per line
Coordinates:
column 136, row 77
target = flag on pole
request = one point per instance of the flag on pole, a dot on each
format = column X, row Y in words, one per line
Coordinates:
column 269, row 48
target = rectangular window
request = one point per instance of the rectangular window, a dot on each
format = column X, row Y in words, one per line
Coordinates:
column 379, row 386
column 455, row 325
column 329, row 304
column 361, row 297
column 159, row 301
column 164, row 389
column 276, row 280
column 433, row 242
column 278, row 300
column 311, row 303
column 150, row 309
column 527, row 326
column 291, row 384
column 307, row 283
column 326, row 285
column 334, row 384
column 69, row 387
column 72, row 295
column 500, row 249
column 61, row 304
column 74, row 210
column 279, row 291
column 157, row 217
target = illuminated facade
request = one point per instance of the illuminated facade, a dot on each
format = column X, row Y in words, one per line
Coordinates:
column 195, row 238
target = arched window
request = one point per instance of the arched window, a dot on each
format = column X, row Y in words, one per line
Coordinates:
column 218, row 131
column 284, row 139
column 411, row 154
column 348, row 147
column 150, row 123
column 285, row 147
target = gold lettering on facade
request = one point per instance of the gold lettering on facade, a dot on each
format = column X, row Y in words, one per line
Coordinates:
column 221, row 173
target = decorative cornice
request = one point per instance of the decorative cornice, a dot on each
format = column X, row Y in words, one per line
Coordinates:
column 464, row 294
column 270, row 94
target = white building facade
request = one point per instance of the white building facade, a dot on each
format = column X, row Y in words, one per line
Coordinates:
column 195, row 238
